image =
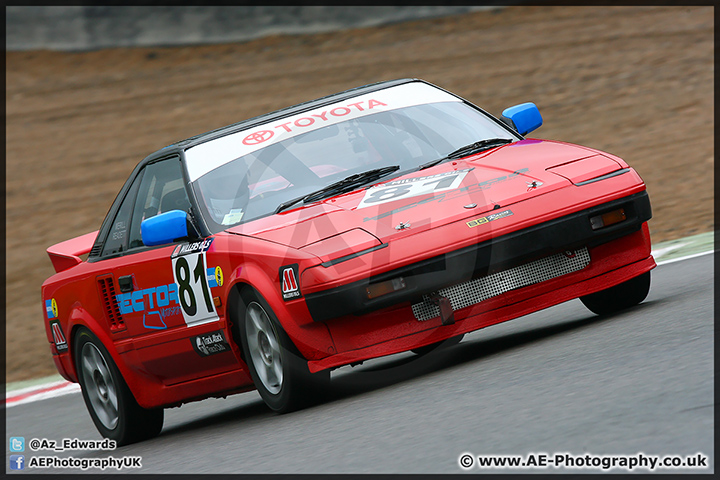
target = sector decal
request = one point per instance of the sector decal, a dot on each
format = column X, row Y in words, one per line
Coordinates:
column 155, row 303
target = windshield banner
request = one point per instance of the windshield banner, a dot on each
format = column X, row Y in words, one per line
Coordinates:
column 205, row 157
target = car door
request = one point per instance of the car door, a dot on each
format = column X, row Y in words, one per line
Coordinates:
column 162, row 294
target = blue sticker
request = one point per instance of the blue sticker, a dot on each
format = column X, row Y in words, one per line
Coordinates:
column 51, row 308
column 212, row 282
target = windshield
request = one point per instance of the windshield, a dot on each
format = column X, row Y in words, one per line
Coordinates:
column 254, row 185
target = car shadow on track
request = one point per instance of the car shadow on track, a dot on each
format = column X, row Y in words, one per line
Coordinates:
column 252, row 410
column 409, row 367
column 397, row 370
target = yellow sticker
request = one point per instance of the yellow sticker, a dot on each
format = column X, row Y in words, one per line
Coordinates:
column 218, row 276
column 477, row 221
column 53, row 305
column 489, row 218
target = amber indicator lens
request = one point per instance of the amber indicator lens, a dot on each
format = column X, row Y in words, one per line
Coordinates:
column 383, row 288
column 607, row 219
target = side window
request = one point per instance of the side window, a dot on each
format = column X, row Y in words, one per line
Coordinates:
column 117, row 239
column 162, row 189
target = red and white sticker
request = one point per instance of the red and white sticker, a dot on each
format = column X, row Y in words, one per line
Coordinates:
column 289, row 282
column 58, row 336
column 412, row 187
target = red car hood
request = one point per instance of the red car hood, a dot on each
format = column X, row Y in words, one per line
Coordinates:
column 460, row 189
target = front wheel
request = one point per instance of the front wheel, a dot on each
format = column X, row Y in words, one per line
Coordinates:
column 112, row 406
column 279, row 372
column 619, row 297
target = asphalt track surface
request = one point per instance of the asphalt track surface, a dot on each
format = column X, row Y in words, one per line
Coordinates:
column 558, row 381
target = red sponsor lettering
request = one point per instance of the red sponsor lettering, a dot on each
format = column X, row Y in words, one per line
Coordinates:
column 344, row 109
column 305, row 121
column 285, row 126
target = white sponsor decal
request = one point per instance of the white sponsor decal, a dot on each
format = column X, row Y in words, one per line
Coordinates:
column 207, row 156
column 210, row 343
column 189, row 265
column 412, row 187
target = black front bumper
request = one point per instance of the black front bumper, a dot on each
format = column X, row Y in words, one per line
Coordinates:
column 516, row 248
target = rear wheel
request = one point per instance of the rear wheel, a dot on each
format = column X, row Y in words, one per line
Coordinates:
column 619, row 297
column 279, row 371
column 449, row 342
column 112, row 406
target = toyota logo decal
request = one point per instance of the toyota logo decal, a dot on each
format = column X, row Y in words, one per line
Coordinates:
column 258, row 137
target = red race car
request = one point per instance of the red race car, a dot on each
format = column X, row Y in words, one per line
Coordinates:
column 391, row 217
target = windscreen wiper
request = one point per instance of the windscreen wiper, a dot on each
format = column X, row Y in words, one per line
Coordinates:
column 468, row 150
column 346, row 183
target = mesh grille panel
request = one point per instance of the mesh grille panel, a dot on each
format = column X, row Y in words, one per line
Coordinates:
column 475, row 291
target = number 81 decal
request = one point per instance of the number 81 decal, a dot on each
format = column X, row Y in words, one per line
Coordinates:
column 190, row 273
column 412, row 187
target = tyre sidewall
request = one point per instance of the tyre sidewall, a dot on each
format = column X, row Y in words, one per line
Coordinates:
column 295, row 370
column 120, row 431
column 619, row 297
column 135, row 423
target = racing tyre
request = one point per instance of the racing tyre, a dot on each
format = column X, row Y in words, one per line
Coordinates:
column 448, row 342
column 111, row 404
column 619, row 297
column 278, row 370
